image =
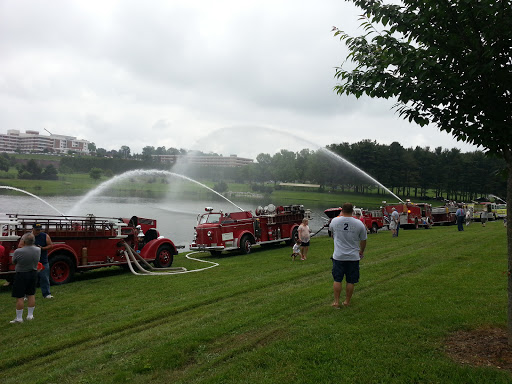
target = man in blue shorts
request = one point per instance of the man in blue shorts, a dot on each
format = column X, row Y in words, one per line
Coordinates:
column 25, row 259
column 349, row 236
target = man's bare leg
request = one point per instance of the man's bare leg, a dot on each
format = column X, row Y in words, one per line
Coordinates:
column 337, row 291
column 349, row 292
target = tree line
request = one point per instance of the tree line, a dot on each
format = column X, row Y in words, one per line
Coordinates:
column 408, row 172
column 418, row 173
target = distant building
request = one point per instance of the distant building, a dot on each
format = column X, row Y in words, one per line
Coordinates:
column 205, row 160
column 32, row 141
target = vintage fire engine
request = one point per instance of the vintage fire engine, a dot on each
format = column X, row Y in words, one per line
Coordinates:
column 444, row 215
column 217, row 231
column 86, row 242
column 479, row 208
column 372, row 219
column 412, row 215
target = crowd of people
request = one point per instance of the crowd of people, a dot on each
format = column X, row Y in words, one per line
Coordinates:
column 349, row 235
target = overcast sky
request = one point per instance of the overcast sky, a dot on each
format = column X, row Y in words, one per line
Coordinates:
column 225, row 76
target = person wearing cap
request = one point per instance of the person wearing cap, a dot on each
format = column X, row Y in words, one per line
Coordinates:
column 25, row 259
column 43, row 241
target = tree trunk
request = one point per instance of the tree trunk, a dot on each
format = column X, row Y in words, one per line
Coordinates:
column 508, row 159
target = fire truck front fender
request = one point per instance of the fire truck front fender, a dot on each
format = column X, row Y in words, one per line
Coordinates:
column 246, row 233
column 150, row 249
column 63, row 249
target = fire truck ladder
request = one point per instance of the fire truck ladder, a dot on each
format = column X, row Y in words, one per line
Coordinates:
column 132, row 256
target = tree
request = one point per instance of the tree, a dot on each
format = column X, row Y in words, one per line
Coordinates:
column 91, row 147
column 95, row 173
column 447, row 63
column 220, row 187
column 50, row 173
column 147, row 151
column 30, row 170
column 5, row 162
column 124, row 152
column 101, row 152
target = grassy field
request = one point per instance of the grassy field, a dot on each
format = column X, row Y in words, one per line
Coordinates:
column 262, row 318
column 334, row 199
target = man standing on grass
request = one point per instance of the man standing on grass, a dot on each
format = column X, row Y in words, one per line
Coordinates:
column 461, row 215
column 44, row 242
column 349, row 236
column 25, row 259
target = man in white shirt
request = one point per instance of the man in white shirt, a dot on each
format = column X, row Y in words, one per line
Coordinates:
column 349, row 236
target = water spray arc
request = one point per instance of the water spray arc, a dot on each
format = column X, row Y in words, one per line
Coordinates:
column 140, row 172
column 497, row 198
column 272, row 131
column 31, row 194
column 338, row 157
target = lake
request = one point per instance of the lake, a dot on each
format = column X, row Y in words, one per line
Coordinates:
column 176, row 217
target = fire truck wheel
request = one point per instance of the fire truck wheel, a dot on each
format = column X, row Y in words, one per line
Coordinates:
column 295, row 236
column 245, row 244
column 164, row 256
column 375, row 228
column 61, row 269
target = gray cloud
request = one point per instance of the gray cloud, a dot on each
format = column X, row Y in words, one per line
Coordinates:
column 185, row 70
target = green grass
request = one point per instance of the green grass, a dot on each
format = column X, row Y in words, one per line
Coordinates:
column 262, row 318
column 334, row 199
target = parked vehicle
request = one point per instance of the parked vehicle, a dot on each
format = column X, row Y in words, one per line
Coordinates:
column 501, row 211
column 372, row 219
column 82, row 243
column 217, row 231
column 479, row 208
column 412, row 215
column 444, row 215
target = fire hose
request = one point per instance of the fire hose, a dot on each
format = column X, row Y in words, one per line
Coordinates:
column 132, row 256
column 317, row 232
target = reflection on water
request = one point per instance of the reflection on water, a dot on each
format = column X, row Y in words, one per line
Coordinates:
column 176, row 218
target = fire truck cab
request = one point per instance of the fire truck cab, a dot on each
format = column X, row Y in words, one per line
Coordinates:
column 217, row 231
column 85, row 242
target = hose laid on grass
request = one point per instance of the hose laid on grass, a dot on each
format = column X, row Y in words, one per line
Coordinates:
column 132, row 257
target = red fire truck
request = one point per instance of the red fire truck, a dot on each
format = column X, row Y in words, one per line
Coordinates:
column 412, row 215
column 444, row 215
column 81, row 243
column 217, row 231
column 372, row 219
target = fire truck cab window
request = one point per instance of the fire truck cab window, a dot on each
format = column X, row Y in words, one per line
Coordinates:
column 211, row 218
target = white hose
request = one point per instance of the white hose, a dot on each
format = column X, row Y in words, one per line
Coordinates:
column 130, row 257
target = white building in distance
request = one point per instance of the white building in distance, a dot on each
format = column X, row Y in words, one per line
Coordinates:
column 205, row 160
column 32, row 141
